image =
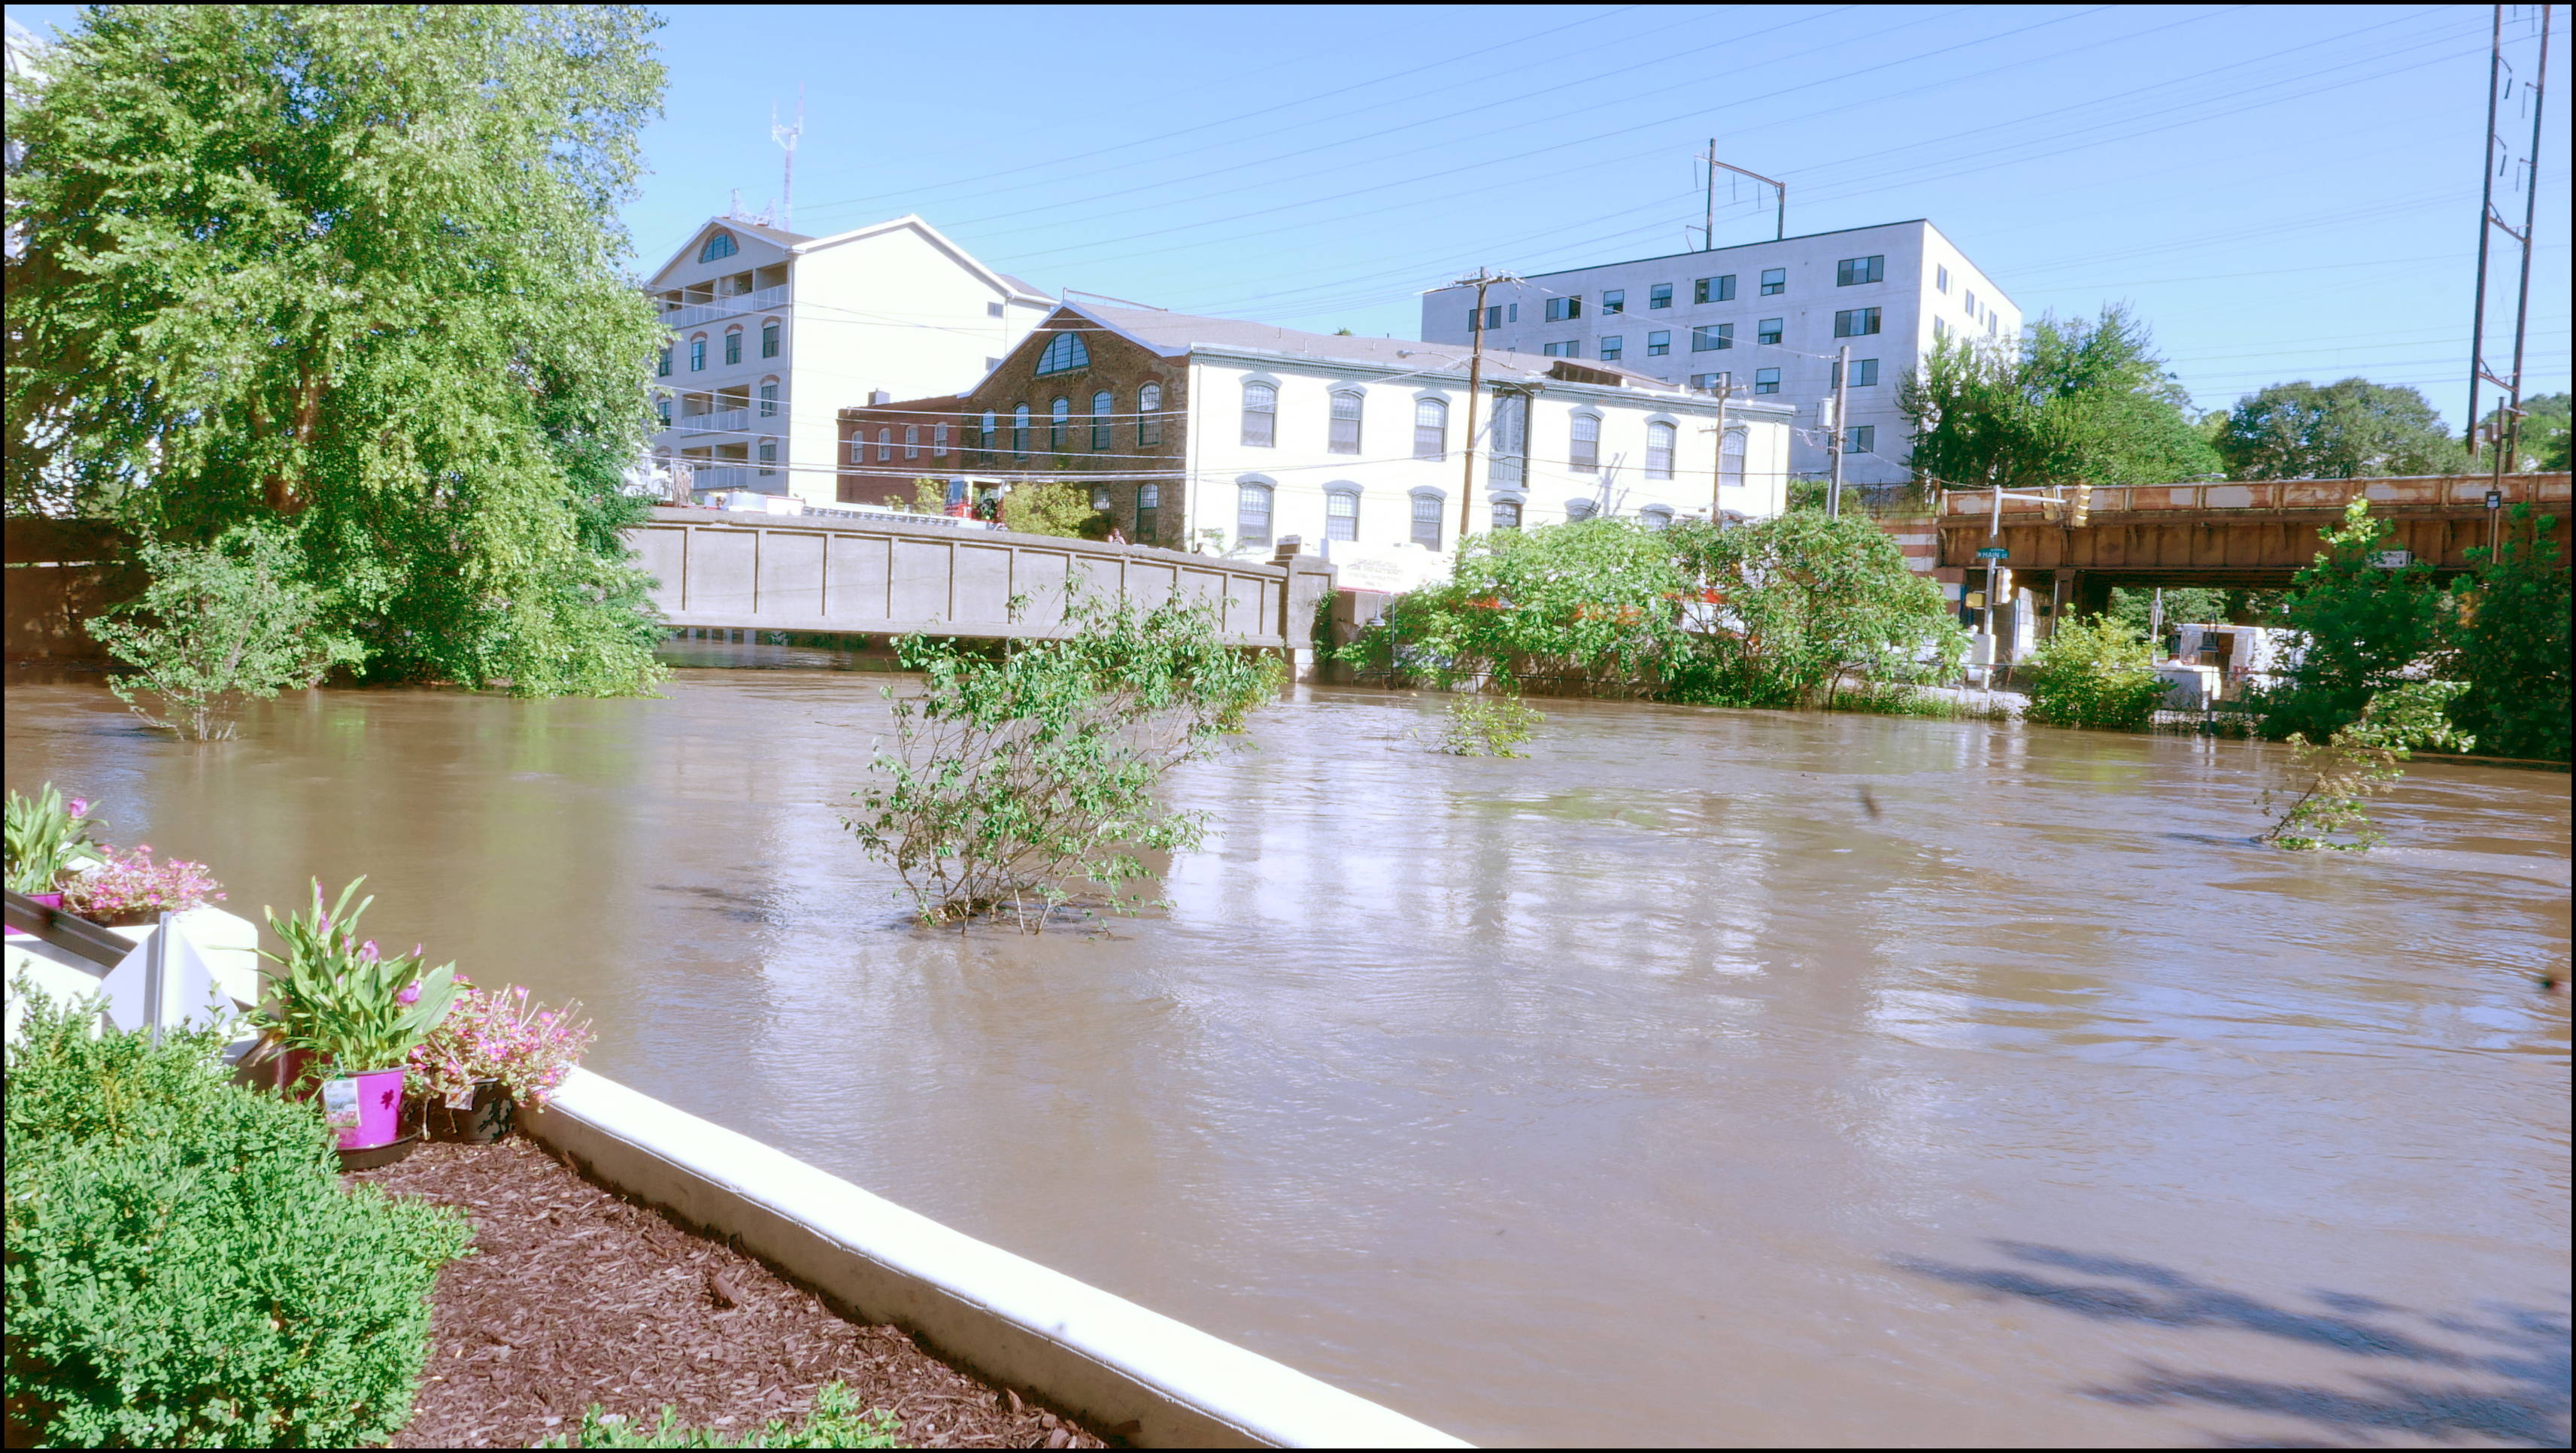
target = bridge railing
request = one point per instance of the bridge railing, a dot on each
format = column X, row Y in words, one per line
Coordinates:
column 2432, row 491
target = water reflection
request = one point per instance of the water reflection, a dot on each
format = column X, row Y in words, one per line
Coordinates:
column 1638, row 1091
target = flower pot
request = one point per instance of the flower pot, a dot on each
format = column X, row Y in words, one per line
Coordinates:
column 366, row 1108
column 50, row 900
column 486, row 1119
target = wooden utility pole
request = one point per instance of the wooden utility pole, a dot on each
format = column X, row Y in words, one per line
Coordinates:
column 1475, row 389
column 1834, row 442
column 1717, row 472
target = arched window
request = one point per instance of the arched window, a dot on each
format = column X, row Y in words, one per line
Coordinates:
column 1730, row 459
column 986, row 437
column 1659, row 451
column 1064, row 354
column 1149, row 416
column 1252, row 514
column 1020, row 430
column 698, row 353
column 1345, row 433
column 1507, row 514
column 1341, row 513
column 1585, row 455
column 719, row 244
column 1059, row 413
column 662, row 366
column 912, row 441
column 1656, row 517
column 733, row 345
column 885, row 445
column 1260, row 415
column 1579, row 509
column 769, row 398
column 1426, row 518
column 769, row 338
column 1103, row 404
column 1510, row 438
column 1430, row 429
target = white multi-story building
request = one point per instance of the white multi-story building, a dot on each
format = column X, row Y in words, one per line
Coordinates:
column 772, row 332
column 1767, row 317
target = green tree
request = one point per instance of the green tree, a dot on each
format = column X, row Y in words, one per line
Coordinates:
column 1051, row 507
column 2349, row 430
column 2362, row 629
column 2336, row 779
column 2093, row 673
column 358, row 267
column 2078, row 403
column 2509, row 644
column 219, row 626
column 2544, row 433
column 1798, row 602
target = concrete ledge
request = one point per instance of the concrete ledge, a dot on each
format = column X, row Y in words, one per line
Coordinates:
column 1155, row 1381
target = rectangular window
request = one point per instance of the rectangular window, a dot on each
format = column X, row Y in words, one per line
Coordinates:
column 663, row 407
column 1768, row 330
column 1659, row 450
column 912, row 441
column 1775, row 281
column 1149, row 498
column 1855, row 270
column 662, row 369
column 1970, row 297
column 1341, row 516
column 1940, row 279
column 1864, row 373
column 1260, row 416
column 769, row 340
column 1100, row 499
column 1494, row 316
column 1610, row 347
column 768, row 456
column 733, row 346
column 1426, row 521
column 1714, row 289
column 1712, row 336
column 1099, row 431
column 1430, row 429
column 1585, row 454
column 1861, row 439
column 1855, row 322
column 1658, row 344
column 1344, row 435
column 1711, row 382
column 858, row 450
column 1940, row 330
column 1561, row 350
column 769, row 401
column 939, row 442
column 1512, row 313
column 1730, row 459
column 1766, row 380
column 1614, row 301
column 1660, row 296
column 1560, row 310
column 1252, row 514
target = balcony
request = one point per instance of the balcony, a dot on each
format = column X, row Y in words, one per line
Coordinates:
column 690, row 315
column 723, row 421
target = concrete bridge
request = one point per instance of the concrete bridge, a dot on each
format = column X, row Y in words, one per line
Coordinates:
column 889, row 576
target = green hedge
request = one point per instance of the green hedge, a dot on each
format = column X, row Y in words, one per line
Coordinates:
column 183, row 1265
column 2093, row 673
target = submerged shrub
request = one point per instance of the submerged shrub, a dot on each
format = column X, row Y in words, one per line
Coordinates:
column 184, row 1268
column 1488, row 726
column 2093, row 673
column 2337, row 778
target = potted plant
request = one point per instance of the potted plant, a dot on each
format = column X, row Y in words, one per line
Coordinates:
column 126, row 890
column 495, row 1050
column 46, row 835
column 358, row 1011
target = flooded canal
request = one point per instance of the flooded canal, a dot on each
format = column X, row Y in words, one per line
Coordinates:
column 1706, row 1077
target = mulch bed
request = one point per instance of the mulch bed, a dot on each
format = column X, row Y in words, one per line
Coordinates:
column 574, row 1296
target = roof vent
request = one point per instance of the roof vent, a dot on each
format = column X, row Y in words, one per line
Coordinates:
column 879, row 398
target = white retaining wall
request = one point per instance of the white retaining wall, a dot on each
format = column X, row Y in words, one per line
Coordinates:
column 1154, row 1381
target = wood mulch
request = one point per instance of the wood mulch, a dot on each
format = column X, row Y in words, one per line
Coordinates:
column 574, row 1296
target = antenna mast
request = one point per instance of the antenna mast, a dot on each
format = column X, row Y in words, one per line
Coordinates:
column 786, row 137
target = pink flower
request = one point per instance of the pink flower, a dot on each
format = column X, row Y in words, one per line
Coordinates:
column 80, row 807
column 367, row 951
column 410, row 992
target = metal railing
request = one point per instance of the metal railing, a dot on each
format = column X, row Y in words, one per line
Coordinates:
column 690, row 315
column 722, row 421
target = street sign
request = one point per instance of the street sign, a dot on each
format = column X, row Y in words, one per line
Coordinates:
column 2495, row 499
column 2391, row 559
column 1992, row 552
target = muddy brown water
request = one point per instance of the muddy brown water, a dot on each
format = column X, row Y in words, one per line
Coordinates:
column 1651, row 1089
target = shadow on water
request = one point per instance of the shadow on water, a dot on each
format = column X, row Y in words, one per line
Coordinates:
column 2525, row 1349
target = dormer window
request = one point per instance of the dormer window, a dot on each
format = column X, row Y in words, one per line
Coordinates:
column 1064, row 354
column 719, row 244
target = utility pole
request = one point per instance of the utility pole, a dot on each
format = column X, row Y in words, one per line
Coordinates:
column 1780, row 228
column 1842, row 396
column 2498, row 158
column 1717, row 472
column 1708, row 213
column 1475, row 390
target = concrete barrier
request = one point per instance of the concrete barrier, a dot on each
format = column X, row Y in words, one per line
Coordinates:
column 1154, row 1381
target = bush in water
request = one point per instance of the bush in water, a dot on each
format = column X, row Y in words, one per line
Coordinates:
column 2364, row 629
column 2338, row 777
column 184, row 1267
column 1488, row 726
column 2093, row 673
column 1014, row 775
column 219, row 625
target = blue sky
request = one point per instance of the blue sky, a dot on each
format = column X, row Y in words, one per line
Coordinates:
column 2281, row 192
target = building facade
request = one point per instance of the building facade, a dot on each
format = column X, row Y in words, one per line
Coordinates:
column 1228, row 437
column 1767, row 318
column 772, row 331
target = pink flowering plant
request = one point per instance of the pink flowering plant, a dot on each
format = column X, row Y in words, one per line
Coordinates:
column 337, row 995
column 131, row 888
column 499, row 1035
column 47, row 834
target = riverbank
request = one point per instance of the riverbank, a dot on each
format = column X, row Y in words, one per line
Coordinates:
column 573, row 1296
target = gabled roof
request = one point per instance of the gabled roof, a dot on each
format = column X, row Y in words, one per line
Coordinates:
column 1175, row 334
column 799, row 244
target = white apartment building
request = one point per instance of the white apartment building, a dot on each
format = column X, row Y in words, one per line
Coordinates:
column 772, row 332
column 1768, row 317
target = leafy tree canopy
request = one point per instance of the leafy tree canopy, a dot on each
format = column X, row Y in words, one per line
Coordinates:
column 2079, row 403
column 2510, row 643
column 353, row 268
column 2543, row 443
column 2349, row 430
column 2363, row 628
